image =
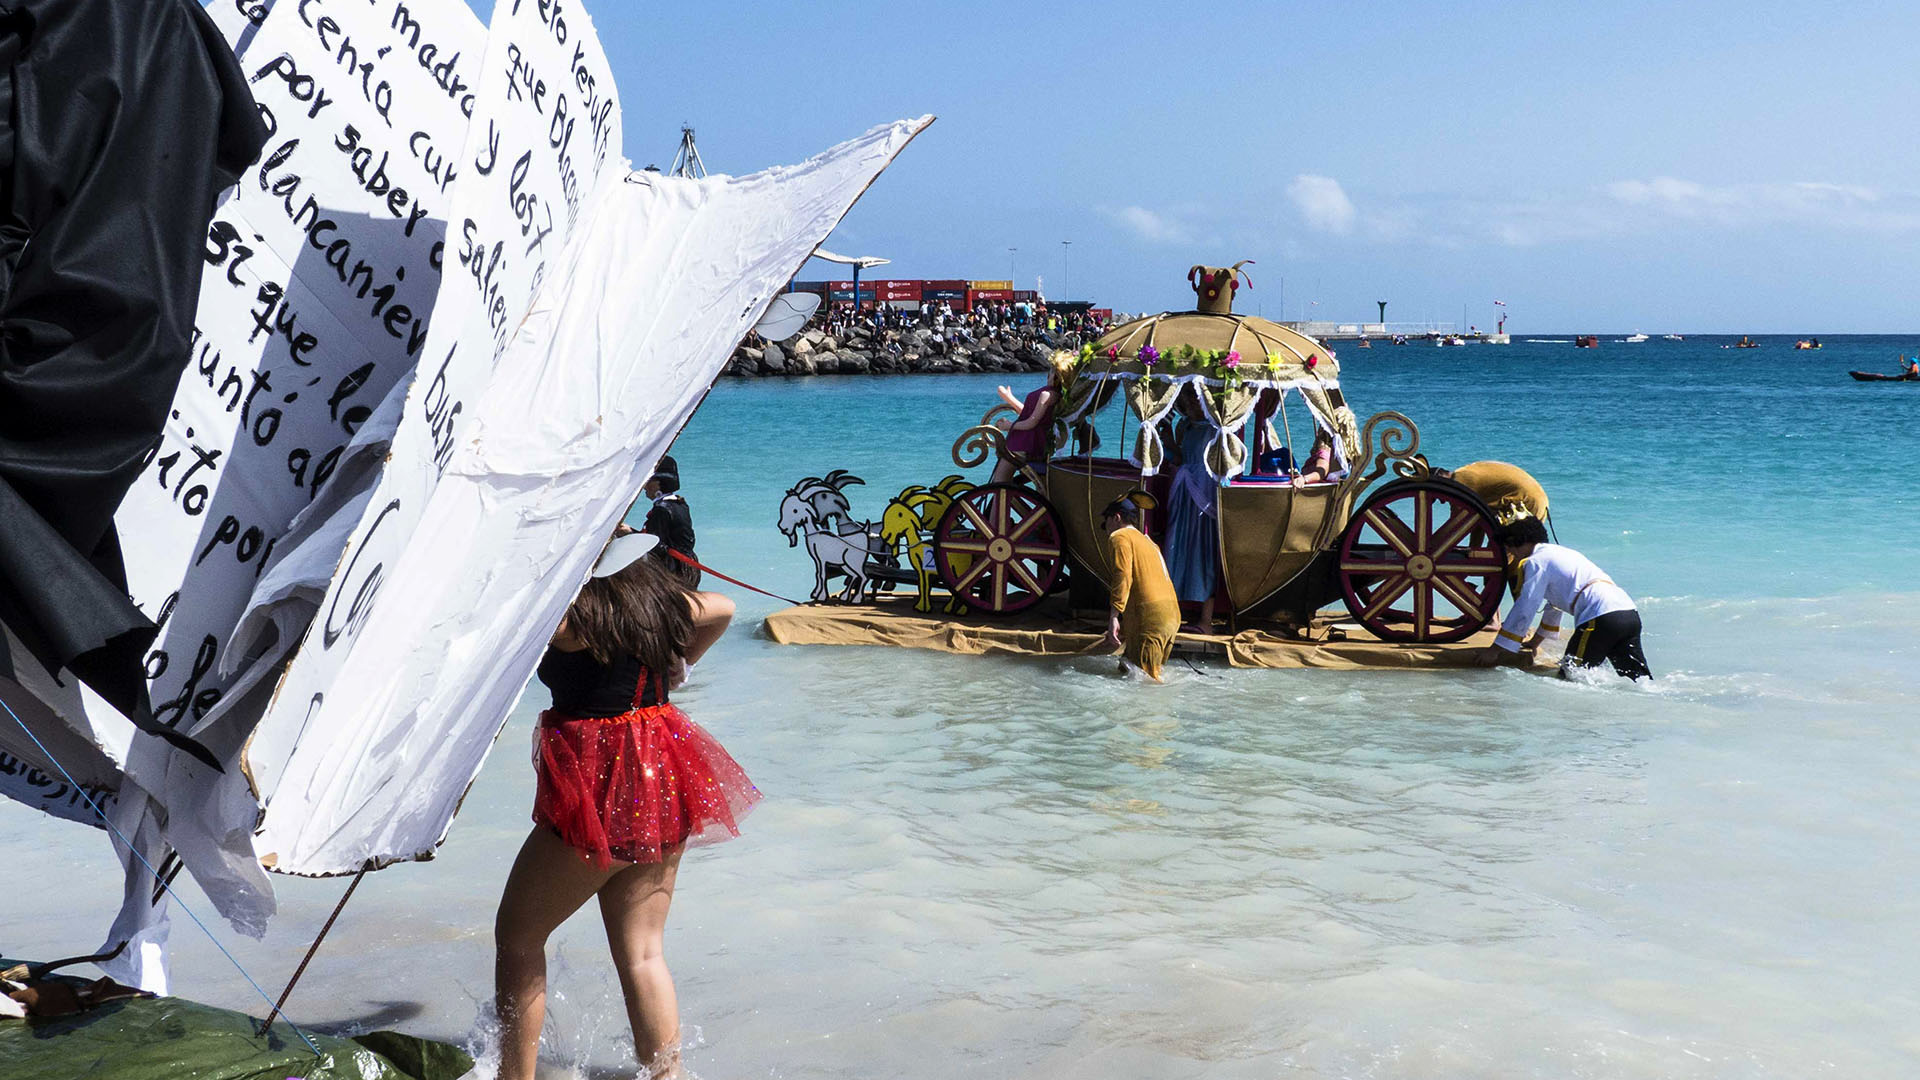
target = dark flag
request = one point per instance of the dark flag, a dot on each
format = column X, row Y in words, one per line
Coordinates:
column 120, row 123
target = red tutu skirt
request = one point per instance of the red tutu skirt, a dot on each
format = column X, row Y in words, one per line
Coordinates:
column 637, row 786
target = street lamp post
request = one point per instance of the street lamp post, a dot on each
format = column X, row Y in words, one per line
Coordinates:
column 1066, row 291
column 1012, row 278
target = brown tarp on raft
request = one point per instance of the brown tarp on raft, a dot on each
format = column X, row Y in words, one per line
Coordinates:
column 1050, row 630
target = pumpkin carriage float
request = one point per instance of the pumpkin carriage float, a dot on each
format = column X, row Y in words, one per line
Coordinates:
column 1412, row 557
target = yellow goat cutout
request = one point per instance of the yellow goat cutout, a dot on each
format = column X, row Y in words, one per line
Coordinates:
column 911, row 519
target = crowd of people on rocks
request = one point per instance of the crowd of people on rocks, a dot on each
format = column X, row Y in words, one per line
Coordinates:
column 1000, row 320
column 892, row 339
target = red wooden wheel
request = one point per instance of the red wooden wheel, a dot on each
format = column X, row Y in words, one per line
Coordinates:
column 1419, row 562
column 999, row 547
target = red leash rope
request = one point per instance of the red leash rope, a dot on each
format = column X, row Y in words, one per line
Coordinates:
column 698, row 565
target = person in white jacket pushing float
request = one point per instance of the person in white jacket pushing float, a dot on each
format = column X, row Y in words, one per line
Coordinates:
column 1556, row 581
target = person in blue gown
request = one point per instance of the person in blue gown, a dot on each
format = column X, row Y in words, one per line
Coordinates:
column 1193, row 531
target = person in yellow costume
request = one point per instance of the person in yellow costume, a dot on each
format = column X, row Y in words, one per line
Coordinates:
column 1145, row 612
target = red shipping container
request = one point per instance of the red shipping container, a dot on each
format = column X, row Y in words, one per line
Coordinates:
column 897, row 290
column 944, row 286
column 975, row 296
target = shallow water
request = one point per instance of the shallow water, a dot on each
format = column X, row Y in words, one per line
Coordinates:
column 1006, row 867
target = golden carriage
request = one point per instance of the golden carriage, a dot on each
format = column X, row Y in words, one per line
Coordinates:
column 1414, row 560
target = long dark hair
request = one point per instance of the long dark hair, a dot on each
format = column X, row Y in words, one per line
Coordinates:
column 641, row 611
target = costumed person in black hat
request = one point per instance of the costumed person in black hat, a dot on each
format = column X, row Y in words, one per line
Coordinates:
column 1557, row 579
column 123, row 121
column 671, row 520
column 1145, row 613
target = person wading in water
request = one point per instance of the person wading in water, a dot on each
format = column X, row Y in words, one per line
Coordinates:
column 626, row 782
column 1553, row 580
column 1145, row 613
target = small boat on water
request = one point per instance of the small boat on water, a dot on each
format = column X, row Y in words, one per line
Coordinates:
column 1746, row 342
column 1587, row 341
column 1909, row 372
column 1807, row 343
column 1635, row 338
column 1363, row 343
column 1671, row 337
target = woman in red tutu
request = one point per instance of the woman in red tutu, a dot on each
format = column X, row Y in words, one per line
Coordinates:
column 626, row 781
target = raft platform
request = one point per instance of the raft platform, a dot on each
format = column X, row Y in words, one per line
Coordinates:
column 1051, row 628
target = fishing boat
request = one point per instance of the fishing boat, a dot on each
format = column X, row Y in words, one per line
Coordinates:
column 1634, row 338
column 1671, row 337
column 1874, row 376
column 1586, row 341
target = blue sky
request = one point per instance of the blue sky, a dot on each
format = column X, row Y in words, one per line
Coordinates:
column 1707, row 167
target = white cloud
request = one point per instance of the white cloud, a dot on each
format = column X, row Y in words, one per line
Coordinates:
column 1809, row 203
column 1662, row 204
column 1323, row 203
column 1154, row 227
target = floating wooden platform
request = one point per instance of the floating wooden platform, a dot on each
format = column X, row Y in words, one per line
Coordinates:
column 1050, row 629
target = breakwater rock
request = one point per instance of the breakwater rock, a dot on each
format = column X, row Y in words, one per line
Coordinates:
column 861, row 351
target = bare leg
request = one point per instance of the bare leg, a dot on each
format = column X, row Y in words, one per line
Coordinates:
column 549, row 882
column 1205, row 623
column 634, row 907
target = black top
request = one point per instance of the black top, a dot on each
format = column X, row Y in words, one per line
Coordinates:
column 583, row 686
column 672, row 522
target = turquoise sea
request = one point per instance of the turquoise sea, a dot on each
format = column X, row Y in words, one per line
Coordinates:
column 1013, row 868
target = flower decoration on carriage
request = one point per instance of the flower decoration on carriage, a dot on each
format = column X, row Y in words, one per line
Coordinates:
column 1149, row 355
column 1233, row 359
column 1113, row 352
column 1313, row 361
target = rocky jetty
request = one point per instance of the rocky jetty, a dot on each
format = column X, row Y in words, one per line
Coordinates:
column 859, row 350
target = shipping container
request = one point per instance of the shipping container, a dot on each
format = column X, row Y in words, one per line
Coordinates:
column 991, row 286
column 846, row 295
column 944, row 286
column 1025, row 296
column 818, row 288
column 892, row 291
column 976, row 297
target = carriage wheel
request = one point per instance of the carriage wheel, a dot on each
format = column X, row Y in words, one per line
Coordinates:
column 999, row 547
column 1419, row 563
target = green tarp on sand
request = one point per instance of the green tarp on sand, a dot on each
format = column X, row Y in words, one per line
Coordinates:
column 175, row 1039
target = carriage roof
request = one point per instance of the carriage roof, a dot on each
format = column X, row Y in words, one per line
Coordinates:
column 1245, row 349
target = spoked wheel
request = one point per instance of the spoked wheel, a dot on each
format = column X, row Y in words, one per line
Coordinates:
column 999, row 547
column 1419, row 563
